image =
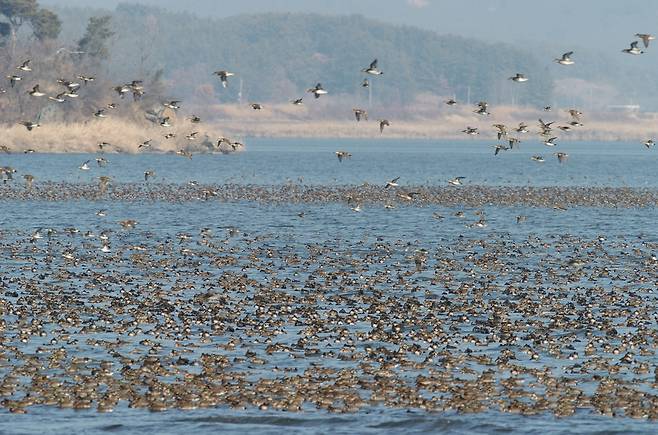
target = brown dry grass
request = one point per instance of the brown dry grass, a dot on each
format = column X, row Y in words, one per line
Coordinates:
column 285, row 120
column 124, row 136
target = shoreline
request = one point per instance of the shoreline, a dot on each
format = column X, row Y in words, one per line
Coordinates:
column 125, row 136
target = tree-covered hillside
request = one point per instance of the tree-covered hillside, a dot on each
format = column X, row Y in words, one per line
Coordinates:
column 279, row 56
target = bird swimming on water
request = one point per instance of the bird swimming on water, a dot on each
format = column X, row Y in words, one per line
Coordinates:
column 147, row 174
column 342, row 155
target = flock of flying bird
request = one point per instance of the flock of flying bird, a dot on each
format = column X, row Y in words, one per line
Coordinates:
column 136, row 88
column 546, row 128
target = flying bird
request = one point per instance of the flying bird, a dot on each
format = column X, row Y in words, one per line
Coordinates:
column 498, row 148
column 173, row 105
column 59, row 98
column 25, row 66
column 565, row 59
column 482, row 108
column 13, row 79
column 633, row 49
column 519, row 78
column 360, row 114
column 502, row 130
column 372, row 69
column 36, row 92
column 317, row 91
column 550, row 142
column 645, row 37
column 457, row 181
column 392, row 183
column 30, row 125
column 223, row 76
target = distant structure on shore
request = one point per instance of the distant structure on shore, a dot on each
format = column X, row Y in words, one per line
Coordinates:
column 624, row 108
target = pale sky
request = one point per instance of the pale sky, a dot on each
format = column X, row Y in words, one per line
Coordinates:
column 583, row 22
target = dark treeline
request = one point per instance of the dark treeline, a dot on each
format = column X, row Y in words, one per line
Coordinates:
column 46, row 78
column 278, row 56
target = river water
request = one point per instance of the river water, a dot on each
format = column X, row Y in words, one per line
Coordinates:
column 285, row 270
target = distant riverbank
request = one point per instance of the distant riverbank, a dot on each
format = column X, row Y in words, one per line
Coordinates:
column 120, row 135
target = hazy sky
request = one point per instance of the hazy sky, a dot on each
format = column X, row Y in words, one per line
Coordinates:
column 569, row 22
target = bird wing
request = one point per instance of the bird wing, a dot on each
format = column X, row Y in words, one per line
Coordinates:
column 373, row 64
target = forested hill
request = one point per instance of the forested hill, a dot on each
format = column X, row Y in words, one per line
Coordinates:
column 278, row 56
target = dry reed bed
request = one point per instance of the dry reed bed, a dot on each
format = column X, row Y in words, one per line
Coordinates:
column 123, row 136
column 286, row 121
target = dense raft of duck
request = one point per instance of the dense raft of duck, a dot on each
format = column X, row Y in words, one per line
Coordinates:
column 220, row 318
column 468, row 195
